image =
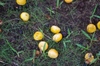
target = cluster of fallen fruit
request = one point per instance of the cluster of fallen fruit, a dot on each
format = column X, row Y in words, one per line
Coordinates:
column 38, row 35
column 43, row 45
column 91, row 28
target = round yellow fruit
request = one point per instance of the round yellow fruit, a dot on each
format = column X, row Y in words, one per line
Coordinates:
column 98, row 25
column 24, row 16
column 55, row 29
column 68, row 1
column 52, row 53
column 43, row 45
column 38, row 35
column 91, row 28
column 89, row 58
column 57, row 37
column 21, row 2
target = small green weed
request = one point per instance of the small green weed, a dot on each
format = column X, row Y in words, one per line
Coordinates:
column 2, row 4
column 58, row 3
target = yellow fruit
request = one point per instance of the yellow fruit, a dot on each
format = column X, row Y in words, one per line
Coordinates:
column 89, row 58
column 57, row 37
column 52, row 53
column 21, row 2
column 55, row 29
column 43, row 45
column 98, row 25
column 38, row 35
column 91, row 28
column 24, row 16
column 68, row 1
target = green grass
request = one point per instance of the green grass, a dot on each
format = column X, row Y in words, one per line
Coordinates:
column 17, row 43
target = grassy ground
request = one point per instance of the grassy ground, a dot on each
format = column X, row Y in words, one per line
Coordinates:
column 17, row 46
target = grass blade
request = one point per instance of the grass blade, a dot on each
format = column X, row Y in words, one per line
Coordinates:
column 98, row 54
column 11, row 47
column 29, row 59
column 69, row 32
column 96, row 16
column 44, row 47
column 61, row 3
column 19, row 53
column 68, row 41
column 81, row 46
column 64, row 43
column 93, row 61
column 57, row 3
column 93, row 11
column 86, row 34
column 51, row 10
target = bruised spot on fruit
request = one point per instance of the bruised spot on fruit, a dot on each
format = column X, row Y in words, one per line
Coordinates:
column 89, row 58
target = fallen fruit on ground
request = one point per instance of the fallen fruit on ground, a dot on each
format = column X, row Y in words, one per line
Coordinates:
column 24, row 16
column 55, row 29
column 43, row 45
column 98, row 25
column 91, row 28
column 21, row 2
column 37, row 53
column 68, row 1
column 53, row 53
column 89, row 58
column 57, row 37
column 38, row 35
